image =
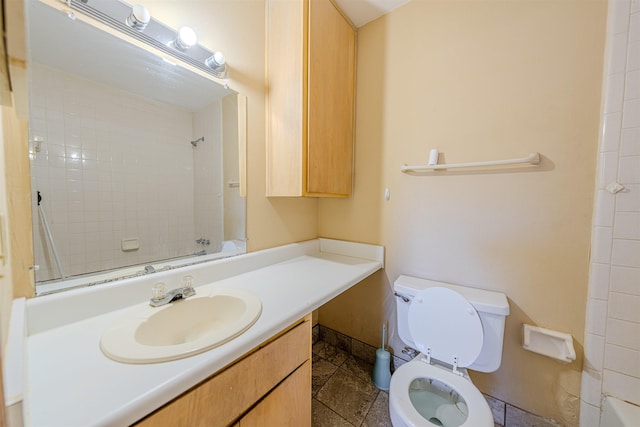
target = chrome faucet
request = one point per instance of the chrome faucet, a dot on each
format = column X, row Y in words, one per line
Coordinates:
column 149, row 269
column 171, row 296
column 162, row 297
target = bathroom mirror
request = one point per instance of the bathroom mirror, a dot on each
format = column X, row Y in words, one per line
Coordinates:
column 136, row 160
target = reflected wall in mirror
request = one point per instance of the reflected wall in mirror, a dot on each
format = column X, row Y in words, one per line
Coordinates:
column 134, row 159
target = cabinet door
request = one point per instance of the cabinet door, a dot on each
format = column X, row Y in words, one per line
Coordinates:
column 286, row 96
column 287, row 405
column 310, row 99
column 221, row 399
column 332, row 45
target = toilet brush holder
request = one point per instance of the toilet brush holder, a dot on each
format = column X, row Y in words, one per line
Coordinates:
column 382, row 367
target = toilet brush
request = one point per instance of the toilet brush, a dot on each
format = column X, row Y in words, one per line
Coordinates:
column 382, row 367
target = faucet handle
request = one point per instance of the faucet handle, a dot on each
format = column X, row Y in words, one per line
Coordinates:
column 159, row 291
column 187, row 282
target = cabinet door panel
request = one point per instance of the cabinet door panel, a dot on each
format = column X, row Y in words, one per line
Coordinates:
column 221, row 399
column 286, row 95
column 331, row 100
column 287, row 405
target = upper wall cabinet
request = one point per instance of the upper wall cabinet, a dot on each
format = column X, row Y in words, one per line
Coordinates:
column 310, row 99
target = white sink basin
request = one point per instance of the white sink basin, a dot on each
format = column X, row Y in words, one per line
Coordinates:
column 182, row 328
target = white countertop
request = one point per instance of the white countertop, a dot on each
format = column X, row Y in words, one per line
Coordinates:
column 71, row 383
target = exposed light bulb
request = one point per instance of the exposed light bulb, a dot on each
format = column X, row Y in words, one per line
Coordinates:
column 186, row 39
column 215, row 61
column 139, row 18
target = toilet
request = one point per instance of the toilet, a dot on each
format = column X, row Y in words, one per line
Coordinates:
column 453, row 327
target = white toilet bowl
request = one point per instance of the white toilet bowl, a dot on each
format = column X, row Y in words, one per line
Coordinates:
column 422, row 394
column 453, row 327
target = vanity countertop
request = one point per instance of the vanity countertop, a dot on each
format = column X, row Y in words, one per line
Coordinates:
column 71, row 383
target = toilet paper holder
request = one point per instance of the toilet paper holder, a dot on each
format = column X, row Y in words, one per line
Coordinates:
column 554, row 344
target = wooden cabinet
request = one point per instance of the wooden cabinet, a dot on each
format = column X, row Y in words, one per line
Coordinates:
column 285, row 405
column 310, row 99
column 269, row 387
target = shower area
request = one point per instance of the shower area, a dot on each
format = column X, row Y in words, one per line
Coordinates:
column 611, row 371
column 125, row 180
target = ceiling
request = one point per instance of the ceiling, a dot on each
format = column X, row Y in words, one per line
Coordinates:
column 362, row 11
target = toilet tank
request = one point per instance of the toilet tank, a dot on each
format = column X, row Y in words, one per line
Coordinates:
column 492, row 307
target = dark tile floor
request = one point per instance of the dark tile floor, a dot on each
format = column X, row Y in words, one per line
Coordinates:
column 344, row 395
column 342, row 390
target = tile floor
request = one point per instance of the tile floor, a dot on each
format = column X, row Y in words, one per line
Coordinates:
column 343, row 394
column 342, row 390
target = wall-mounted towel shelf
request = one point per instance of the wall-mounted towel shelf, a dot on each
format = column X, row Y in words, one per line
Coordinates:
column 533, row 159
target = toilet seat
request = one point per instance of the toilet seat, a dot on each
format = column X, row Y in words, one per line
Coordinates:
column 401, row 406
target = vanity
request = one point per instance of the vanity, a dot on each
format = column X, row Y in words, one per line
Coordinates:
column 276, row 378
column 262, row 374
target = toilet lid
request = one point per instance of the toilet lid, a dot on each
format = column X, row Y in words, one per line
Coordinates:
column 444, row 321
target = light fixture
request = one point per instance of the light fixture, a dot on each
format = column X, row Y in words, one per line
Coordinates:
column 136, row 22
column 216, row 62
column 186, row 39
column 138, row 18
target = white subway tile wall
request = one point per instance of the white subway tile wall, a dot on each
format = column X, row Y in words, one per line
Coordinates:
column 623, row 360
column 630, row 142
column 599, row 281
column 624, row 307
column 627, row 225
column 604, row 209
column 623, row 333
column 112, row 166
column 601, row 244
column 625, row 280
column 208, row 153
column 596, row 322
column 623, row 386
column 612, row 338
column 589, row 414
column 591, row 384
column 594, row 351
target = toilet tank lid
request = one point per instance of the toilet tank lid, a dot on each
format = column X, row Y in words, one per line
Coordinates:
column 482, row 300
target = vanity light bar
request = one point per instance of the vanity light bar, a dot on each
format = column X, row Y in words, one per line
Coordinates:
column 116, row 14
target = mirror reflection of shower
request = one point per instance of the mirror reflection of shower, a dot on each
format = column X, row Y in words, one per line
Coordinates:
column 204, row 243
column 122, row 188
column 111, row 204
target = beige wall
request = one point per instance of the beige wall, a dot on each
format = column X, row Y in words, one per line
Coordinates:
column 15, row 200
column 480, row 81
column 15, row 277
column 18, row 188
column 6, row 290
